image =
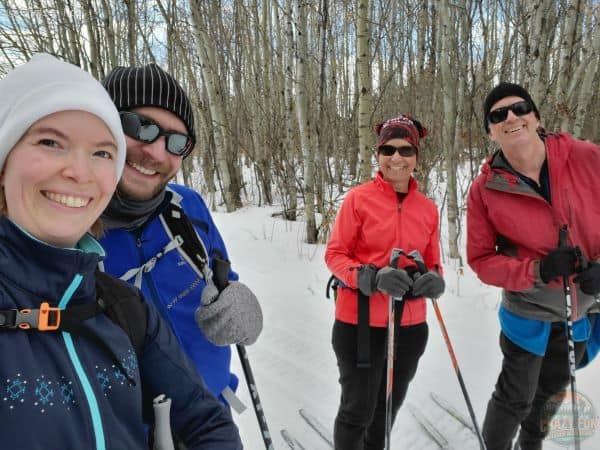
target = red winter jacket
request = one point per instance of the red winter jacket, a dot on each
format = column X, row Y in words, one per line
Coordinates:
column 510, row 227
column 370, row 223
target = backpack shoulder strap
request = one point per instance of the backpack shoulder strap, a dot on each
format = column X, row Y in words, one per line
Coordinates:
column 124, row 306
column 177, row 223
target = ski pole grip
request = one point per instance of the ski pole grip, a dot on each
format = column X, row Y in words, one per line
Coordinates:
column 163, row 439
column 395, row 257
column 563, row 234
column 416, row 256
column 221, row 273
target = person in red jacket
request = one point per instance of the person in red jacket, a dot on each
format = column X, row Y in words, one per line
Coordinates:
column 535, row 188
column 376, row 217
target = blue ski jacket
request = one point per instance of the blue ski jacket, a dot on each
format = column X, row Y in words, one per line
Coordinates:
column 63, row 390
column 172, row 282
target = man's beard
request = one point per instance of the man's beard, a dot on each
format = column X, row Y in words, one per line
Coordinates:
column 124, row 191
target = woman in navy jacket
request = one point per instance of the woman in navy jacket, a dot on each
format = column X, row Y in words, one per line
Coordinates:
column 62, row 152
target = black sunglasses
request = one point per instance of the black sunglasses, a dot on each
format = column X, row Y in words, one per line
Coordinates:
column 519, row 109
column 405, row 150
column 146, row 130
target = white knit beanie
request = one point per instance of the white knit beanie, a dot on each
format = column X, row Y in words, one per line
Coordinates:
column 45, row 85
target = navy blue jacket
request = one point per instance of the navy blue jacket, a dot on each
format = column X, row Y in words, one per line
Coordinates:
column 173, row 283
column 64, row 391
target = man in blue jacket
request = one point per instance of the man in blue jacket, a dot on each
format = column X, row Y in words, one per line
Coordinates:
column 149, row 221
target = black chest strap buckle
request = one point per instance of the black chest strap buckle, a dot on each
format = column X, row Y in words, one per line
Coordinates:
column 46, row 318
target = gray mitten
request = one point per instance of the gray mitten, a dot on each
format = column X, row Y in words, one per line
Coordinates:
column 394, row 282
column 366, row 279
column 430, row 285
column 233, row 316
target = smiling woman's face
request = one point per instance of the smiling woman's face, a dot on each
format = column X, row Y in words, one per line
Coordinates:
column 60, row 176
column 397, row 169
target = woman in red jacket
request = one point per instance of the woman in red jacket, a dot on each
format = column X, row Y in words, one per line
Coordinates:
column 385, row 213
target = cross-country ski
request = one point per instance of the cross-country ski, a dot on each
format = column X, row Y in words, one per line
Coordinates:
column 291, row 441
column 455, row 413
column 432, row 431
column 317, row 426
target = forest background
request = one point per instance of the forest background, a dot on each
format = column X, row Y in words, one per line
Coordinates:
column 286, row 91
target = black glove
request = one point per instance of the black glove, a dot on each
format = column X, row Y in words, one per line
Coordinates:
column 394, row 282
column 366, row 279
column 560, row 262
column 430, row 285
column 589, row 279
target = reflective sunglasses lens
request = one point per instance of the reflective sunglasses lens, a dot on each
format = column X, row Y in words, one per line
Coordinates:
column 130, row 123
column 521, row 108
column 177, row 143
column 498, row 115
column 149, row 132
column 387, row 150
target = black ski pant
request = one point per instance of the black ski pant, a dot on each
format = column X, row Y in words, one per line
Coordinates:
column 360, row 421
column 526, row 383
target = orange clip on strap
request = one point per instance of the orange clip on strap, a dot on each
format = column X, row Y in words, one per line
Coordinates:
column 46, row 313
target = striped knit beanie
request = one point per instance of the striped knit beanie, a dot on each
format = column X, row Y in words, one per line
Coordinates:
column 132, row 87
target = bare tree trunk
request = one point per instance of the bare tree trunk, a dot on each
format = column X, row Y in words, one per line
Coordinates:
column 131, row 34
column 210, row 74
column 304, row 122
column 288, row 153
column 363, row 63
column 90, row 24
column 586, row 90
column 448, row 61
column 538, row 40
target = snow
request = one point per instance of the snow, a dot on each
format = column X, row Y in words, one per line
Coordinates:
column 294, row 364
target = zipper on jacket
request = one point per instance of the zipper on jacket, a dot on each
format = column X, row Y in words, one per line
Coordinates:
column 80, row 371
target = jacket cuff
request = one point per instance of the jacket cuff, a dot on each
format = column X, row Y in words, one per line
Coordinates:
column 353, row 277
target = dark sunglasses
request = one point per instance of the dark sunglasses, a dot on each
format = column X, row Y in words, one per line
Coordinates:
column 519, row 109
column 405, row 150
column 146, row 130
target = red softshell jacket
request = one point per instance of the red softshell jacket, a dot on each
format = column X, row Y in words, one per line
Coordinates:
column 370, row 223
column 500, row 205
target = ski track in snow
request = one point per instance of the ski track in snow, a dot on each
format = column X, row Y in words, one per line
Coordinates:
column 294, row 365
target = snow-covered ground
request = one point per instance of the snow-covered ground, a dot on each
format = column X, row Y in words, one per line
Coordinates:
column 294, row 364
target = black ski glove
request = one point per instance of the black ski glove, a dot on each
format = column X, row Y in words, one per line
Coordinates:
column 560, row 262
column 589, row 279
column 394, row 282
column 430, row 285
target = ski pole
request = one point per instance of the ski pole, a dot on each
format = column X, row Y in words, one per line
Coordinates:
column 416, row 256
column 258, row 409
column 390, row 351
column 163, row 439
column 562, row 241
column 458, row 373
